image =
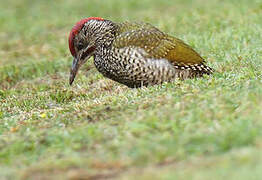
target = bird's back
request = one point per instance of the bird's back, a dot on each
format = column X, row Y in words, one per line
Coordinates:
column 159, row 45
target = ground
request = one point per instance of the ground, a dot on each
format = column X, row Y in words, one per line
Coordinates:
column 206, row 128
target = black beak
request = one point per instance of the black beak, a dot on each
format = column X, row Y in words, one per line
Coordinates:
column 80, row 60
column 73, row 72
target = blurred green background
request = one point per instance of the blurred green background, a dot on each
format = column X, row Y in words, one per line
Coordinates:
column 207, row 128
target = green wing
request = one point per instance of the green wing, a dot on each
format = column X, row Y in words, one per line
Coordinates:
column 157, row 44
column 129, row 26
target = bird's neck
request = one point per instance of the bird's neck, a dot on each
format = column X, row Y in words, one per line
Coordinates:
column 106, row 35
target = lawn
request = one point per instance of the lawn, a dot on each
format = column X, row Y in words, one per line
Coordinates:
column 206, row 128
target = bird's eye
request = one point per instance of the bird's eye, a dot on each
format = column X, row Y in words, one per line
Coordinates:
column 80, row 46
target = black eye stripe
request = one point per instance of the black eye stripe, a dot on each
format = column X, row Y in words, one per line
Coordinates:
column 87, row 52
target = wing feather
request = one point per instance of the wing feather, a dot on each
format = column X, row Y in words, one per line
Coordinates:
column 157, row 44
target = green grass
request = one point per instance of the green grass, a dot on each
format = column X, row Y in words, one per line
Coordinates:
column 206, row 128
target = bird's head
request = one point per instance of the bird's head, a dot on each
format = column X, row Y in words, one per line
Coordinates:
column 84, row 38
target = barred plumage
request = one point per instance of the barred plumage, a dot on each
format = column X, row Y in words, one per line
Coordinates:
column 134, row 54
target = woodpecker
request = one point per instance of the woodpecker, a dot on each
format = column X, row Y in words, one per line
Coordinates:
column 133, row 54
